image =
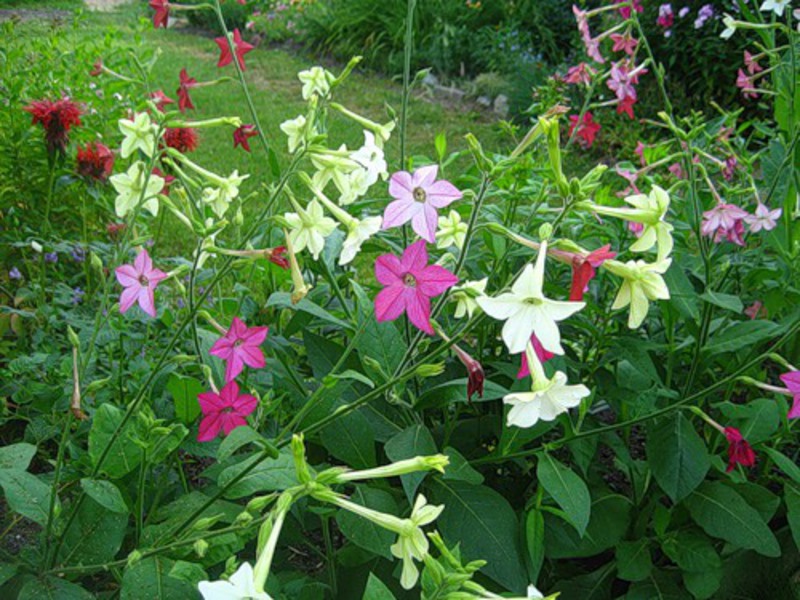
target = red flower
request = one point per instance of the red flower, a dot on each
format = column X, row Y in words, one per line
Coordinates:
column 626, row 106
column 739, row 451
column 168, row 179
column 160, row 99
column 584, row 270
column 114, row 229
column 95, row 161
column 242, row 48
column 97, row 68
column 242, row 134
column 542, row 354
column 57, row 118
column 187, row 83
column 277, row 256
column 161, row 16
column 183, row 139
column 475, row 373
column 586, row 130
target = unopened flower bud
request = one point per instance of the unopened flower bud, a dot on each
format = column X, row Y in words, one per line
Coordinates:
column 243, row 519
column 545, row 231
column 429, row 370
column 133, row 558
column 73, row 337
column 259, row 503
column 200, row 548
column 206, row 522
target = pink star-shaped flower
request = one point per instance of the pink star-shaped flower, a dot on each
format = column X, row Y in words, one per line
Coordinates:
column 724, row 221
column 410, row 283
column 764, row 218
column 140, row 281
column 417, row 198
column 224, row 411
column 242, row 48
column 242, row 134
column 792, row 381
column 239, row 347
column 624, row 43
column 161, row 16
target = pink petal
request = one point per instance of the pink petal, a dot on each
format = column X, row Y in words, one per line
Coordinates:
column 234, row 367
column 390, row 303
column 210, row 402
column 229, row 393
column 415, row 257
column 424, row 177
column 794, row 413
column 424, row 223
column 418, row 308
column 245, row 405
column 434, row 280
column 128, row 297
column 399, row 213
column 255, row 336
column 155, row 276
column 388, row 269
column 222, row 348
column 231, row 421
column 143, row 263
column 792, row 380
column 147, row 302
column 400, row 186
column 209, row 427
column 238, row 328
column 251, row 356
column 442, row 193
column 127, row 275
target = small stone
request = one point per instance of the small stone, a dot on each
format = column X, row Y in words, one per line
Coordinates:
column 501, row 105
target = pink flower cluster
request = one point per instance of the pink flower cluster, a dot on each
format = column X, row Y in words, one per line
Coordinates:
column 725, row 222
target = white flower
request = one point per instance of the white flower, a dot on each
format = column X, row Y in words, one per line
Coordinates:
column 309, row 228
column 360, row 230
column 352, row 186
column 641, row 282
column 411, row 542
column 139, row 134
column 131, row 189
column 730, row 26
column 295, row 130
column 241, row 586
column 36, row 247
column 534, row 594
column 370, row 156
column 315, row 81
column 452, row 231
column 466, row 295
column 776, row 6
column 525, row 310
column 545, row 402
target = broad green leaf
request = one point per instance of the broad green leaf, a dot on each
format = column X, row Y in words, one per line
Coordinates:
column 703, row 584
column 683, row 296
column 757, row 420
column 459, row 468
column 610, row 519
column 791, row 495
column 166, row 443
column 633, row 560
column 7, row 571
column 188, row 571
column 283, row 300
column 95, row 535
column 567, row 489
column 677, row 456
column 785, row 464
column 376, row 589
column 26, row 494
column 236, row 439
column 17, row 456
column 124, row 456
column 148, row 579
column 105, row 493
column 184, row 391
column 486, row 527
column 363, row 532
column 726, row 301
column 414, row 441
column 53, row 588
column 742, row 334
column 382, row 342
column 350, row 439
column 269, row 475
column 724, row 514
column 454, row 391
column 699, row 562
column 760, row 498
column 534, row 540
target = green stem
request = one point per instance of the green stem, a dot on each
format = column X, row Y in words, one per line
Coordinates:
column 408, row 50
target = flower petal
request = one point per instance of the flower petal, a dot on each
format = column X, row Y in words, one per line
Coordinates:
column 127, row 275
column 442, row 193
column 390, row 303
column 399, row 213
column 128, row 298
column 418, row 308
column 415, row 258
column 388, row 269
column 434, row 280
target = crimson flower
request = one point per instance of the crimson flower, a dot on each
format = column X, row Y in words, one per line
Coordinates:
column 666, row 17
column 161, row 99
column 224, row 411
column 95, row 161
column 587, row 129
column 242, row 134
column 542, row 354
column 183, row 139
column 242, row 48
column 625, row 11
column 410, row 283
column 739, row 451
column 584, row 269
column 277, row 256
column 161, row 16
column 792, row 381
column 187, row 83
column 57, row 118
column 139, row 280
column 475, row 375
column 239, row 347
column 626, row 106
column 97, row 68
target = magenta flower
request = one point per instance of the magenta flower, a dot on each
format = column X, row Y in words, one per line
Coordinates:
column 764, row 218
column 417, row 198
column 542, row 354
column 581, row 73
column 724, row 222
column 239, row 347
column 226, row 411
column 139, row 280
column 410, row 283
column 792, row 381
column 624, row 43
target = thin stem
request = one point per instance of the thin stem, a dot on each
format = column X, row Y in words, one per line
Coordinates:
column 408, row 50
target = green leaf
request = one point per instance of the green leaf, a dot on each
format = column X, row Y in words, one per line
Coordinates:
column 105, row 493
column 166, row 443
column 149, row 579
column 677, row 456
column 377, row 590
column 742, row 334
column 703, row 584
column 270, row 475
column 567, row 489
column 236, row 439
column 454, row 391
column 683, row 296
column 283, row 300
column 485, row 525
column 724, row 514
column 363, row 532
column 380, row 341
column 124, row 456
column 784, row 463
column 633, row 560
column 699, row 562
column 726, row 301
column 414, row 441
column 459, row 468
column 757, row 420
column 17, row 456
column 52, row 588
column 26, row 494
column 95, row 535
column 534, row 540
column 184, row 391
column 188, row 571
column 791, row 496
column 350, row 439
column 610, row 519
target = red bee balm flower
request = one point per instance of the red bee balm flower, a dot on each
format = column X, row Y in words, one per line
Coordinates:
column 161, row 16
column 224, row 411
column 239, row 347
column 57, row 118
column 183, row 139
column 410, row 283
column 242, row 48
column 242, row 134
column 187, row 83
column 95, row 161
column 739, row 451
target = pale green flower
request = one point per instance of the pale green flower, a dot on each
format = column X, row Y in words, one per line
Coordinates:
column 730, row 26
column 641, row 283
column 139, row 134
column 295, row 130
column 220, row 198
column 309, row 228
column 465, row 296
column 332, row 165
column 452, row 231
column 411, row 542
column 359, row 231
column 352, row 186
column 316, row 80
column 131, row 189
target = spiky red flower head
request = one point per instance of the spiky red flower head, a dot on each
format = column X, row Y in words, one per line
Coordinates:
column 183, row 139
column 57, row 118
column 95, row 161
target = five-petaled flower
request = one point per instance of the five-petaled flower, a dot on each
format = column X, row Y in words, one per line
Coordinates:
column 136, row 187
column 161, row 100
column 585, row 129
column 240, row 346
column 764, row 218
column 241, row 48
column 725, row 222
column 410, row 283
column 161, row 16
column 417, row 198
column 240, row 586
column 57, row 118
column 739, row 451
column 243, row 133
column 641, row 283
column 224, row 411
column 139, row 281
column 140, row 134
column 186, row 84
